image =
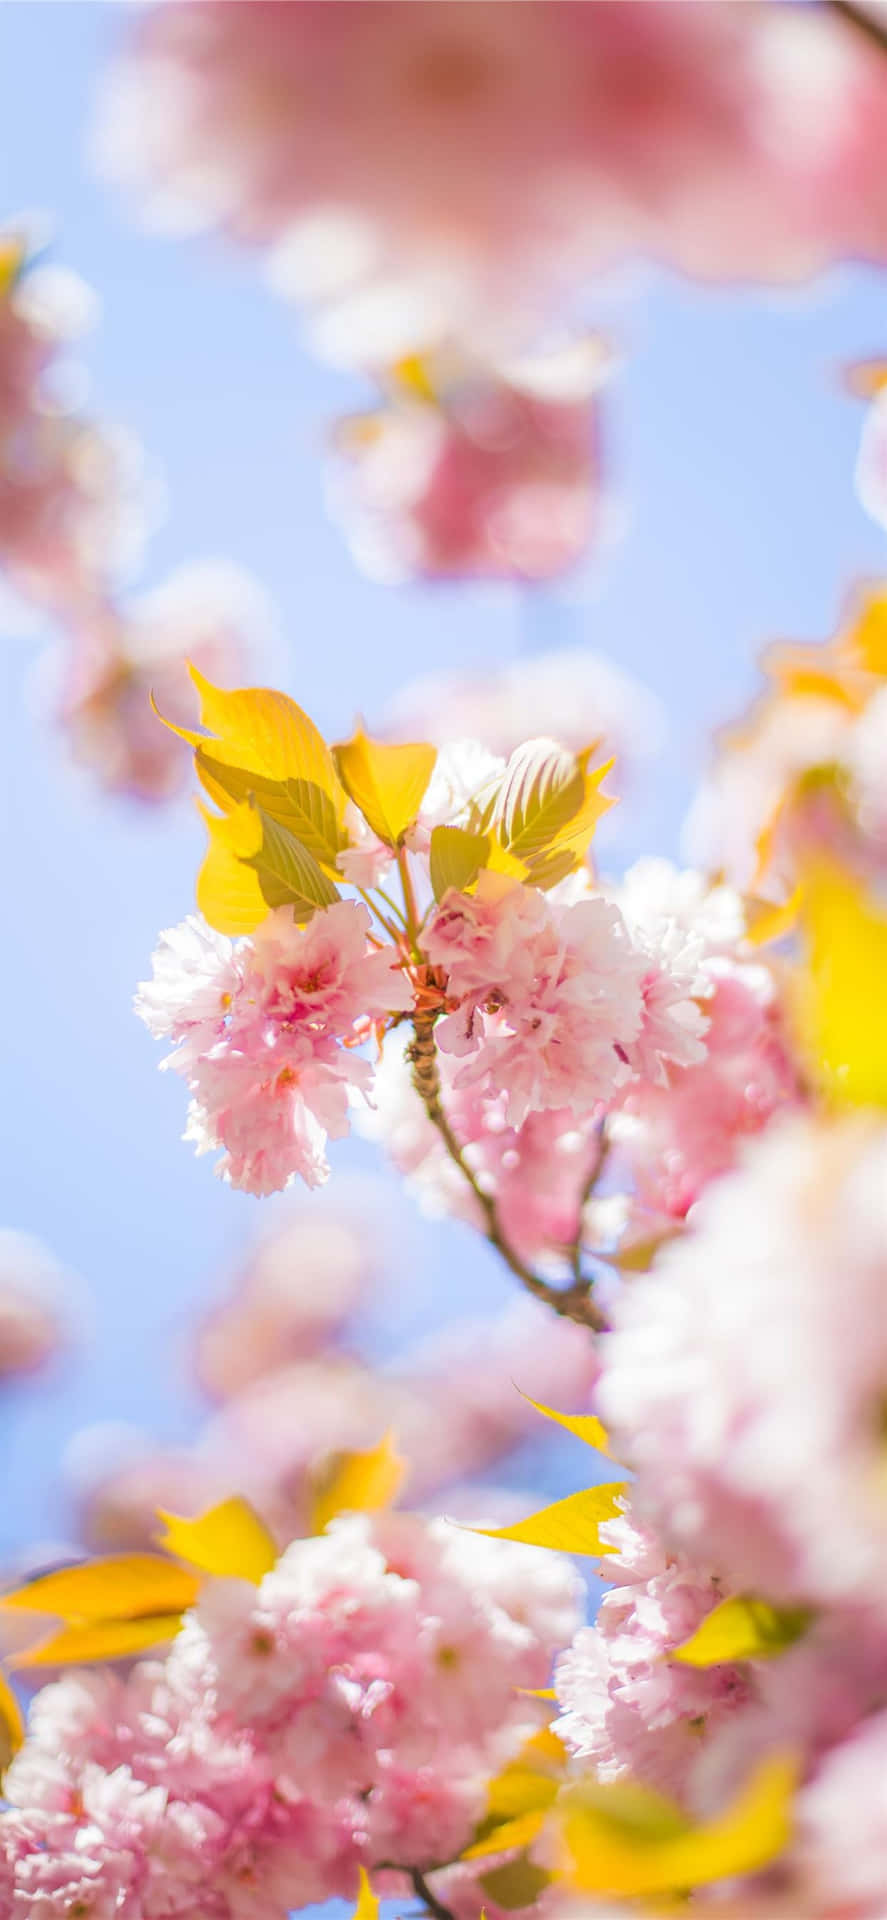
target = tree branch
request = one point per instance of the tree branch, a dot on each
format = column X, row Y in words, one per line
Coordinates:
column 861, row 21
column 573, row 1302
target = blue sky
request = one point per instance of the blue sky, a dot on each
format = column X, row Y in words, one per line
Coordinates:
column 731, row 446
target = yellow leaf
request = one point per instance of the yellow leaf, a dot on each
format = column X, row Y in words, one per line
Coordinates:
column 546, row 809
column 868, row 638
column 639, row 1845
column 742, row 1628
column 512, row 1833
column 265, row 732
column 288, row 874
column 367, row 1903
column 532, row 1779
column 571, row 1525
column 867, row 378
column 117, row 1588
column 228, row 892
column 386, row 782
column 568, row 848
column 839, row 1002
column 456, row 858
column 765, row 920
column 99, row 1640
column 585, row 1426
column 13, row 254
column 516, row 1884
column 360, row 1482
column 228, row 1540
column 12, row 1723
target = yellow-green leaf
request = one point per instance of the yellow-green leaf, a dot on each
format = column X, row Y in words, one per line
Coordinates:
column 367, row 1902
column 265, row 732
column 568, row 848
column 288, row 874
column 520, row 1832
column 87, row 1640
column 517, row 1883
column 456, row 858
column 359, row 1482
column 531, row 1780
column 742, row 1628
column 585, row 1426
column 228, row 892
column 229, row 1540
column 570, row 1525
column 386, row 782
column 301, row 806
column 547, row 808
column 120, row 1587
column 840, row 997
column 636, row 1844
column 12, row 1723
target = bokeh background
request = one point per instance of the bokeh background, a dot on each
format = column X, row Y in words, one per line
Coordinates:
column 730, row 445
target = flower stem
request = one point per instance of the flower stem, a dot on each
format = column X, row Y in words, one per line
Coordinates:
column 573, row 1302
column 430, row 1901
column 861, row 21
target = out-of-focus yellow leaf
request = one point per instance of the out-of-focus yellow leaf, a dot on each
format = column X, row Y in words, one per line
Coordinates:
column 367, row 1902
column 866, row 378
column 516, row 1884
column 636, row 1844
column 86, row 1640
column 839, row 1003
column 742, row 1628
column 868, row 637
column 456, row 858
column 229, row 1540
column 13, row 254
column 520, row 1832
column 570, row 1525
column 412, row 374
column 120, row 1587
column 585, row 1426
column 359, row 1482
column 531, row 1780
column 228, row 892
column 766, row 920
column 386, row 782
column 12, row 1723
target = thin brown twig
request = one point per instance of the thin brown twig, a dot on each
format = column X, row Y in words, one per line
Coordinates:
column 861, row 21
column 573, row 1302
column 424, row 1893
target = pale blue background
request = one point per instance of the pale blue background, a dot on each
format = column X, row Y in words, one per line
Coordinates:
column 731, row 446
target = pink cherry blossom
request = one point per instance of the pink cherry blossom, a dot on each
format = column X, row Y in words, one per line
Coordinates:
column 416, row 169
column 346, row 1711
column 549, row 995
column 35, row 1304
column 745, row 1376
column 118, row 656
column 69, row 509
column 497, row 476
column 624, row 1707
column 258, row 1030
column 842, row 1840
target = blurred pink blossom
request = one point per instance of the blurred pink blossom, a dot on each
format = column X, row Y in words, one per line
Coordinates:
column 347, row 1711
column 495, row 474
column 36, row 1303
column 425, row 167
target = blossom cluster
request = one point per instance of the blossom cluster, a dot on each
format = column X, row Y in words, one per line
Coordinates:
column 73, row 510
column 345, row 1711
